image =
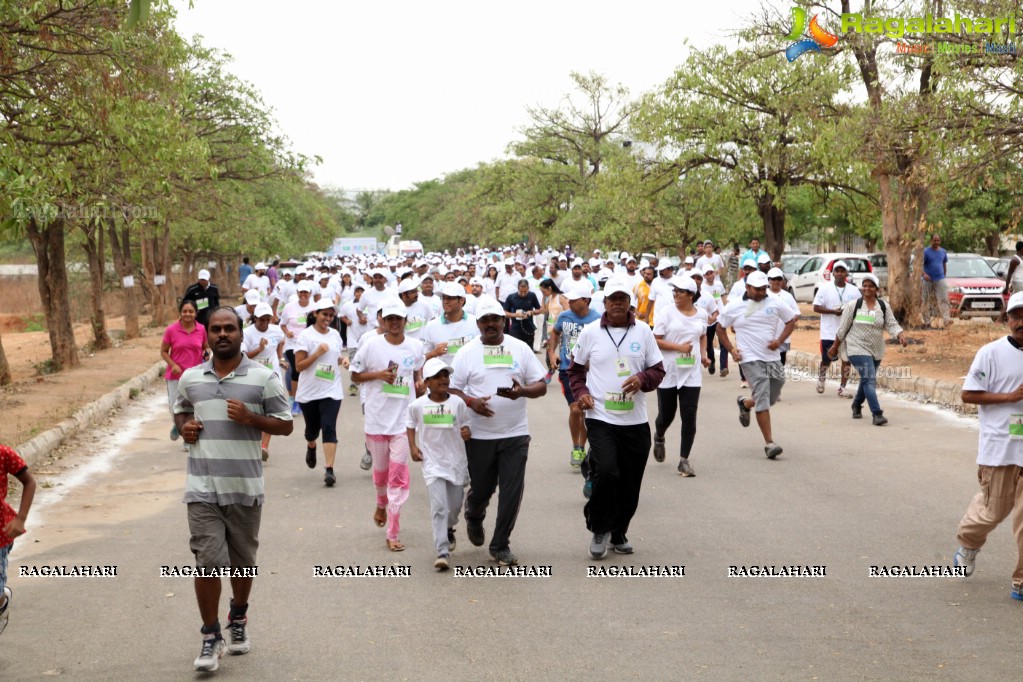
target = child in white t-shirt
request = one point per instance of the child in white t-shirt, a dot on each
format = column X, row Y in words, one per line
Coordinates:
column 441, row 420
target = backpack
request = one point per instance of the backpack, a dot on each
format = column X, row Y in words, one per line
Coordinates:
column 884, row 309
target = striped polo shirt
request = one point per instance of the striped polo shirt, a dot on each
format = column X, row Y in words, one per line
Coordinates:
column 225, row 466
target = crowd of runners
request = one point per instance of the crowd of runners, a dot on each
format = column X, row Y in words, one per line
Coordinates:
column 443, row 351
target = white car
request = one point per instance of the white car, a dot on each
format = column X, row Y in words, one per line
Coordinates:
column 816, row 272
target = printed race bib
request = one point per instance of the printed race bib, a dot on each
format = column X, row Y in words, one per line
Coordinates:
column 717, row 294
column 618, row 402
column 864, row 317
column 496, row 357
column 1016, row 427
column 414, row 324
column 455, row 344
column 438, row 417
column 202, row 303
column 266, row 362
column 325, row 371
column 399, row 389
column 685, row 360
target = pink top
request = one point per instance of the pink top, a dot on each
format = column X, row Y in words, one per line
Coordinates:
column 185, row 347
column 10, row 464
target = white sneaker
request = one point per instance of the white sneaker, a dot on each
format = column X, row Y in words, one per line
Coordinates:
column 367, row 461
column 967, row 558
column 239, row 637
column 844, row 392
column 213, row 648
column 820, row 385
column 5, row 614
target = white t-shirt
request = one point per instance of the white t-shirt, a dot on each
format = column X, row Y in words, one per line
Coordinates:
column 610, row 366
column 478, row 378
column 439, row 435
column 715, row 291
column 295, row 317
column 998, row 368
column 682, row 370
column 737, row 290
column 372, row 298
column 714, row 261
column 786, row 297
column 355, row 328
column 470, row 304
column 489, row 287
column 507, row 284
column 455, row 334
column 755, row 324
column 434, row 303
column 416, row 317
column 597, row 302
column 322, row 379
column 662, row 294
column 630, row 280
column 833, row 297
column 260, row 284
column 326, row 292
column 707, row 304
column 251, row 338
column 571, row 283
column 283, row 292
column 387, row 404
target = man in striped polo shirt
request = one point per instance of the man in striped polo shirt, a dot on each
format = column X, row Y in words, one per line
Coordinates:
column 222, row 409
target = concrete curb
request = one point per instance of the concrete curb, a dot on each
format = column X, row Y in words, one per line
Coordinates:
column 37, row 449
column 944, row 393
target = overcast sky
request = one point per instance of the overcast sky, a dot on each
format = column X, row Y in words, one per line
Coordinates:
column 392, row 93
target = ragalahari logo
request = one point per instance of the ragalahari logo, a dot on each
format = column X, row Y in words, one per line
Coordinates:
column 810, row 39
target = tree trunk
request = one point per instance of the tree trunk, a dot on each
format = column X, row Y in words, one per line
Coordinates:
column 94, row 252
column 992, row 245
column 48, row 244
column 123, row 264
column 164, row 266
column 773, row 219
column 903, row 221
column 187, row 266
column 224, row 280
column 5, row 368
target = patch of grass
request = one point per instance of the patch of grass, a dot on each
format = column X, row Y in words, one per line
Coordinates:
column 35, row 322
column 48, row 366
column 133, row 394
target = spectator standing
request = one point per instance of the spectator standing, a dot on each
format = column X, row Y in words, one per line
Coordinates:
column 933, row 283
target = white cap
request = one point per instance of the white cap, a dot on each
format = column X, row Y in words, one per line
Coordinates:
column 624, row 255
column 260, row 266
column 509, row 261
column 262, row 309
column 644, row 264
column 617, row 286
column 708, row 268
column 1015, row 301
column 300, row 270
column 475, row 280
column 840, row 264
column 204, row 274
column 684, row 283
column 378, row 271
column 452, row 289
column 666, row 265
column 689, row 260
column 577, row 291
column 304, row 285
column 749, row 263
column 435, row 366
column 251, row 297
column 873, row 278
column 775, row 273
column 324, row 304
column 763, row 258
column 563, row 257
column 578, row 262
column 596, row 250
column 356, row 285
column 488, row 305
column 410, row 284
column 756, row 280
column 595, row 262
column 323, row 275
column 393, row 307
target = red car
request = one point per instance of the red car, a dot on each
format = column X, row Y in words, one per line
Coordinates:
column 974, row 290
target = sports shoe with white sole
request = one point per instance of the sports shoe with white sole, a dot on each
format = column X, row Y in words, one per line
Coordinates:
column 5, row 613
column 213, row 648
column 367, row 461
column 820, row 384
column 685, row 468
column 239, row 643
column 772, row 450
column 743, row 411
column 598, row 545
column 967, row 558
column 441, row 564
column 658, row 449
column 844, row 392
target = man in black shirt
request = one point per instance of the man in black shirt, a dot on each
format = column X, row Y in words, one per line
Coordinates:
column 205, row 295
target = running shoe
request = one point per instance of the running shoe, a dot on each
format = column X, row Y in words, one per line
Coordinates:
column 353, row 389
column 658, row 449
column 724, row 372
column 441, row 564
column 967, row 558
column 588, row 489
column 598, row 545
column 820, row 384
column 772, row 450
column 744, row 384
column 1017, row 592
column 685, row 468
column 5, row 612
column 451, row 539
column 367, row 461
column 239, row 637
column 329, row 479
column 623, row 547
column 174, row 432
column 474, row 529
column 213, row 648
column 310, row 457
column 578, row 454
column 711, row 368
column 880, row 419
column 504, row 557
column 844, row 392
column 743, row 411
column 296, row 410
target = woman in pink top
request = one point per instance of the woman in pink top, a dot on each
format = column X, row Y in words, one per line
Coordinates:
column 184, row 345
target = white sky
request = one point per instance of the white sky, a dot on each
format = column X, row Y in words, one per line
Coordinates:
column 392, row 93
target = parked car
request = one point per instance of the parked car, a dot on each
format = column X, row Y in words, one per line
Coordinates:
column 999, row 265
column 974, row 290
column 816, row 272
column 879, row 264
column 790, row 264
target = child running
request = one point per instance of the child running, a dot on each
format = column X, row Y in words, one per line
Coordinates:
column 441, row 420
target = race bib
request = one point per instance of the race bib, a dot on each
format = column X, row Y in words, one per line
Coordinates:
column 618, row 402
column 622, row 367
column 864, row 317
column 717, row 294
column 266, row 362
column 438, row 417
column 399, row 389
column 685, row 360
column 325, row 371
column 455, row 344
column 496, row 357
column 415, row 324
column 202, row 303
column 1016, row 427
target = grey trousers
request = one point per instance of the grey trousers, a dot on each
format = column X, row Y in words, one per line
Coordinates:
column 445, row 505
column 939, row 290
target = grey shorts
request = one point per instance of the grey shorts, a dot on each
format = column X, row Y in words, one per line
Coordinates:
column 765, row 379
column 223, row 535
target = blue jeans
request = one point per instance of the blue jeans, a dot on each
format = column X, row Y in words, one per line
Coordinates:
column 866, row 367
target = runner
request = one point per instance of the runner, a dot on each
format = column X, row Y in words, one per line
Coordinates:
column 205, row 295
column 294, row 320
column 493, row 373
column 444, row 336
column 221, row 408
column 644, row 306
column 560, row 346
column 829, row 303
column 776, row 282
column 681, row 333
column 417, row 313
column 713, row 288
column 264, row 343
column 184, row 345
column 390, row 365
column 520, row 306
column 318, row 354
column 615, row 362
column 755, row 320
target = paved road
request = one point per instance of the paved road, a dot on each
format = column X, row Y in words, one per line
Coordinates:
column 845, row 495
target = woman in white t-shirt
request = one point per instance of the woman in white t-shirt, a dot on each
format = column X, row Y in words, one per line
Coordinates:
column 263, row 342
column 318, row 355
column 681, row 333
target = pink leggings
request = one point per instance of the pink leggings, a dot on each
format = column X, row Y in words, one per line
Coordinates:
column 390, row 475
